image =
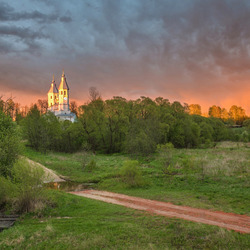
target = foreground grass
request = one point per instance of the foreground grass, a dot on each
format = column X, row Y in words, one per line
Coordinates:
column 80, row 223
column 216, row 178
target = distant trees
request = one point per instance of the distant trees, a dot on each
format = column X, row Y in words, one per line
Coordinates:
column 133, row 126
column 246, row 124
column 237, row 114
column 73, row 107
column 118, row 125
column 214, row 111
column 194, row 109
column 45, row 132
column 94, row 94
column 42, row 105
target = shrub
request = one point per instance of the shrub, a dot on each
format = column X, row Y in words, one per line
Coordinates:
column 168, row 169
column 6, row 189
column 131, row 174
column 166, row 146
column 29, row 187
column 244, row 136
column 166, row 158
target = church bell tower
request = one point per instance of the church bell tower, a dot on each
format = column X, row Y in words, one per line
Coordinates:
column 63, row 94
column 52, row 94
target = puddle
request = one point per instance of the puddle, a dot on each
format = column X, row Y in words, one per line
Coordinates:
column 69, row 186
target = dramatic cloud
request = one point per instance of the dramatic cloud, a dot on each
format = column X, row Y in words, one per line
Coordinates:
column 191, row 51
column 7, row 13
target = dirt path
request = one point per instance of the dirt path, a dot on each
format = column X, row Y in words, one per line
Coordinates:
column 50, row 175
column 240, row 223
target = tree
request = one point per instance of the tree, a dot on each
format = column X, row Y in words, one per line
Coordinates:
column 10, row 108
column 224, row 114
column 35, row 130
column 246, row 123
column 93, row 121
column 238, row 114
column 42, row 106
column 117, row 123
column 1, row 104
column 142, row 137
column 9, row 144
column 74, row 108
column 206, row 133
column 94, row 94
column 215, row 111
column 194, row 109
column 162, row 102
column 177, row 107
column 220, row 131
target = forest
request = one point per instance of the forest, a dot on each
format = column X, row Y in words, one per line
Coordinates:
column 129, row 126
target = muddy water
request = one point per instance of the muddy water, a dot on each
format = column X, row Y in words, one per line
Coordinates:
column 69, row 186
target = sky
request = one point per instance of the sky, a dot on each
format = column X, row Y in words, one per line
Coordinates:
column 192, row 51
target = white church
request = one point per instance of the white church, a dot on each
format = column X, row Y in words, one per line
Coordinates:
column 58, row 100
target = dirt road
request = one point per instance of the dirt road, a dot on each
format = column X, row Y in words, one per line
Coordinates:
column 240, row 223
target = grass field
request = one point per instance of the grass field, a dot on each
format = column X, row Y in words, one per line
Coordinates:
column 216, row 178
column 79, row 223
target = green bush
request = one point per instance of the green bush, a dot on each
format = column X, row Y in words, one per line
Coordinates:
column 29, row 193
column 244, row 136
column 168, row 169
column 166, row 158
column 6, row 190
column 166, row 146
column 131, row 174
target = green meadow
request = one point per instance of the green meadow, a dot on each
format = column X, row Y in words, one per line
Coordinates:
column 215, row 178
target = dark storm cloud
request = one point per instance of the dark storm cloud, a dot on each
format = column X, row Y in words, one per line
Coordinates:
column 23, row 33
column 5, row 47
column 133, row 46
column 23, row 36
column 8, row 13
column 66, row 19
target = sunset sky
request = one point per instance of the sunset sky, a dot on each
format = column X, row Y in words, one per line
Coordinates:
column 193, row 51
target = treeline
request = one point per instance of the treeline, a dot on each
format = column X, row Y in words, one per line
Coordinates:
column 235, row 116
column 18, row 112
column 118, row 125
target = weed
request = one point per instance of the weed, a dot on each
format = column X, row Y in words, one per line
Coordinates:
column 131, row 174
column 91, row 166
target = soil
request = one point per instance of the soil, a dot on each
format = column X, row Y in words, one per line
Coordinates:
column 236, row 222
